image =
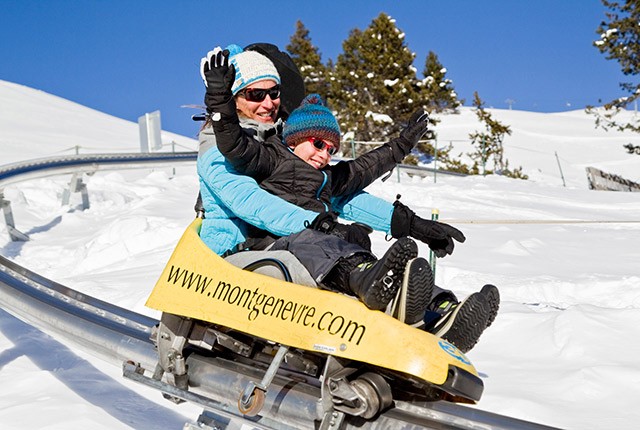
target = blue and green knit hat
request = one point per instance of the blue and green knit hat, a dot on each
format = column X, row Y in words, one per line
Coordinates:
column 311, row 119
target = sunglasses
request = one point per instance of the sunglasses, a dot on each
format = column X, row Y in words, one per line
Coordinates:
column 259, row 94
column 320, row 144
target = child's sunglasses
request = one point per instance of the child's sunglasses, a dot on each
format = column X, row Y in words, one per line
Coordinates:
column 320, row 144
column 259, row 94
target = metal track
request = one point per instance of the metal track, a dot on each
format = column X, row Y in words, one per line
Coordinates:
column 119, row 335
column 68, row 164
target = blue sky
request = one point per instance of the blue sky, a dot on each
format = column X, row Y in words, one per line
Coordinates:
column 126, row 58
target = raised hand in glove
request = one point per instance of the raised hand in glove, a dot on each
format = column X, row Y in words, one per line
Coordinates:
column 410, row 135
column 439, row 236
column 218, row 77
column 357, row 233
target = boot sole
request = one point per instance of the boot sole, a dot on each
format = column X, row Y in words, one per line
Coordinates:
column 465, row 324
column 492, row 295
column 403, row 250
column 419, row 281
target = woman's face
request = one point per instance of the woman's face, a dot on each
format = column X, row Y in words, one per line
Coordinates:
column 318, row 158
column 264, row 111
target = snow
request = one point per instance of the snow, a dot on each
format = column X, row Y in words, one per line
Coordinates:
column 563, row 350
column 33, row 128
column 378, row 117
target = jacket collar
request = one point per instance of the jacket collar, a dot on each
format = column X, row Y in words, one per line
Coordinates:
column 261, row 130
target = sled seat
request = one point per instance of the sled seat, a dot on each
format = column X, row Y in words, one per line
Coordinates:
column 297, row 271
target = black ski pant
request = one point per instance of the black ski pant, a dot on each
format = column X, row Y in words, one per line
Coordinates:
column 319, row 252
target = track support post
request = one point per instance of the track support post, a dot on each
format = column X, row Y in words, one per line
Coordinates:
column 15, row 234
column 76, row 185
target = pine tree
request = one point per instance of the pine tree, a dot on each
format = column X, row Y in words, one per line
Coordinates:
column 438, row 95
column 620, row 41
column 632, row 149
column 489, row 144
column 374, row 82
column 308, row 59
column 436, row 89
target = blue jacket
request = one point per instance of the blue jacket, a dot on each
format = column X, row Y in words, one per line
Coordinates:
column 231, row 200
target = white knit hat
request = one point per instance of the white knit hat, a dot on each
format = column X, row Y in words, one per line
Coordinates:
column 250, row 67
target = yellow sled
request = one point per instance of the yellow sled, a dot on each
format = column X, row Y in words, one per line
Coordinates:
column 198, row 284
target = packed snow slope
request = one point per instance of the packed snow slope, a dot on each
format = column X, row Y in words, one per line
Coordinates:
column 35, row 124
column 563, row 350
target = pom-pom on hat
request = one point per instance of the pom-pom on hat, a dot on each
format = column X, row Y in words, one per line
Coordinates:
column 311, row 119
column 251, row 67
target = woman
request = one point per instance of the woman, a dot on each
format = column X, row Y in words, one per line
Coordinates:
column 234, row 202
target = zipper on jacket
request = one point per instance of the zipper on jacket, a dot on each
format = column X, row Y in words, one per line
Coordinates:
column 324, row 182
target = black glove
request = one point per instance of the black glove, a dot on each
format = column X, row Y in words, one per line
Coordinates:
column 357, row 233
column 410, row 135
column 219, row 77
column 439, row 236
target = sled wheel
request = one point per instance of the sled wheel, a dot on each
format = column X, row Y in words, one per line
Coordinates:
column 254, row 405
column 381, row 387
column 375, row 394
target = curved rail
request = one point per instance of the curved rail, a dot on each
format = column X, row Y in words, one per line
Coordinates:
column 68, row 164
column 119, row 335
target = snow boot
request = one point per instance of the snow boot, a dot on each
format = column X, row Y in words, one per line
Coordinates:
column 463, row 323
column 414, row 296
column 376, row 283
column 439, row 305
column 491, row 293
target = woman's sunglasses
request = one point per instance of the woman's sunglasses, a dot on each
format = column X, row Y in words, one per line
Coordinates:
column 320, row 144
column 259, row 94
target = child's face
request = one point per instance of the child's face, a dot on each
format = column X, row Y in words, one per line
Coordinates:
column 316, row 152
